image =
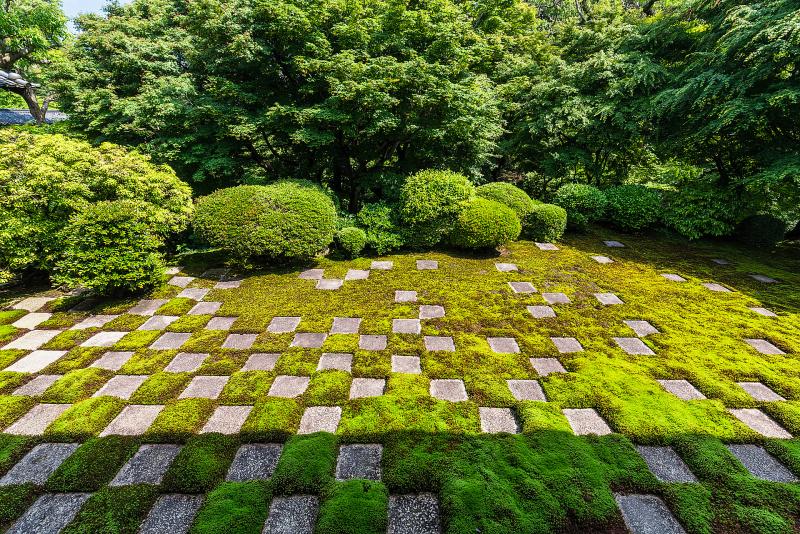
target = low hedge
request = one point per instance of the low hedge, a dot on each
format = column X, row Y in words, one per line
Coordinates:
column 545, row 223
column 585, row 204
column 633, row 207
column 351, row 241
column 484, row 224
column 508, row 195
column 761, row 231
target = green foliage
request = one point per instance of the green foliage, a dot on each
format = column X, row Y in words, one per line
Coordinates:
column 306, row 464
column 288, row 220
column 585, row 204
column 430, row 201
column 355, row 506
column 761, row 231
column 351, row 241
column 545, row 223
column 633, row 207
column 201, row 464
column 379, row 221
column 700, row 209
column 235, row 508
column 484, row 224
column 119, row 509
column 509, row 195
column 93, row 465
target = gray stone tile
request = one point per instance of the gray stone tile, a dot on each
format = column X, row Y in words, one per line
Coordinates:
column 228, row 284
column 227, row 419
column 281, row 325
column 308, row 340
column 760, row 392
column 217, row 273
column 424, row 265
column 346, row 325
column 721, row 261
column 36, row 421
column 763, row 311
column 204, row 387
column 633, row 345
column 133, row 420
column 356, row 274
column 288, row 386
column 95, row 321
column 452, row 390
column 335, row 360
column 641, row 328
column 320, row 419
column 647, row 514
column 503, row 345
column 546, row 366
column 439, row 343
column 556, row 298
column 405, row 296
column 181, row 281
column 382, row 265
column 113, row 361
column 665, row 464
column 147, row 466
column 220, row 323
column 104, row 339
column 31, row 320
column 526, row 390
column 763, row 279
column 35, row 361
column 566, row 345
column 608, row 299
column 760, row 422
column 49, row 514
column 414, row 514
column 186, row 362
column 546, row 246
column 673, row 277
column 37, row 386
column 172, row 271
column 329, row 283
column 158, row 322
column 522, row 287
column 147, row 307
column 32, row 340
column 194, row 293
column 763, row 346
column 172, row 514
column 760, row 463
column 506, row 267
column 205, row 308
column 296, row 514
column 541, row 312
column 40, row 462
column 371, row 342
column 261, row 362
column 431, row 312
column 122, row 386
column 719, row 288
column 682, row 389
column 32, row 304
column 254, row 461
column 359, row 461
column 171, row 340
column 406, row 326
column 406, row 364
column 614, row 244
column 602, row 259
column 239, row 341
column 497, row 420
column 312, row 274
column 367, row 387
column 584, row 421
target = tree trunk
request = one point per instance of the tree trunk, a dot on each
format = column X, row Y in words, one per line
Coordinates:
column 28, row 93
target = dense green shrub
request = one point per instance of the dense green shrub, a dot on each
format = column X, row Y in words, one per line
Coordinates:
column 287, row 220
column 761, row 231
column 351, row 240
column 584, row 203
column 485, row 223
column 633, row 207
column 379, row 221
column 509, row 195
column 545, row 223
column 429, row 203
column 108, row 248
column 700, row 209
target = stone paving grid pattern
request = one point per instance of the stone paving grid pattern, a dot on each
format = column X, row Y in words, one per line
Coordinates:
column 359, row 461
column 541, row 312
column 255, row 461
column 414, row 514
column 497, row 420
column 227, row 419
column 759, row 422
column 292, row 515
column 35, row 361
column 133, row 420
column 367, row 387
column 37, row 419
column 40, row 462
column 122, row 386
column 37, row 385
column 172, row 514
column 760, row 392
column 634, row 346
column 647, row 514
column 49, row 514
column 32, row 340
column 113, row 361
column 335, row 360
column 320, row 419
column 147, row 466
column 682, row 389
column 546, row 366
column 586, row 421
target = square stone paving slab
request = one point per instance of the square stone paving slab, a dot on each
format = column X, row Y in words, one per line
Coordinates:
column 186, row 362
column 406, row 326
column 503, row 345
column 205, row 308
column 431, row 312
column 40, row 462
column 367, row 387
column 763, row 278
column 95, row 321
column 133, row 420
column 147, row 307
column 641, row 328
column 763, row 346
column 36, row 421
column 296, row 514
column 122, row 386
column 33, row 340
column 682, row 389
column 171, row 340
column 546, row 366
column 584, row 421
column 566, row 345
column 546, row 246
column 228, row 284
column 31, row 320
column 104, row 339
column 760, row 392
column 506, row 267
column 239, row 341
column 760, row 422
column 288, row 386
column 357, row 274
column 194, row 293
column 405, row 296
column 49, row 514
column 719, row 288
column 497, row 420
column 32, row 304
column 308, row 340
column 371, row 342
column 172, row 513
column 665, row 464
column 673, row 277
column 346, row 325
column 647, row 514
column 763, row 311
column 760, row 463
column 556, row 298
column 614, row 244
column 158, row 322
column 35, row 361
column 261, row 362
column 424, row 265
column 381, row 265
column 181, row 281
column 526, row 390
column 172, row 271
column 254, row 461
column 37, row 386
column 204, row 387
column 113, row 361
column 439, row 343
column 602, row 259
column 414, row 514
column 227, row 419
column 312, row 274
column 522, row 287
column 541, row 312
column 406, row 364
column 220, row 323
column 634, row 346
column 608, row 299
column 721, row 261
column 147, row 466
column 320, row 419
column 329, row 283
column 335, row 360
column 359, row 461
column 452, row 390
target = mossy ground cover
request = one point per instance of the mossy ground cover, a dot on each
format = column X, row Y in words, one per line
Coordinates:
column 545, row 479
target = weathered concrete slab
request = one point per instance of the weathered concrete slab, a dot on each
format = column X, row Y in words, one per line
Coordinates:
column 171, row 340
column 205, row 308
column 37, row 386
column 608, row 299
column 357, row 274
column 359, row 461
column 602, row 259
column 523, row 390
column 414, row 514
column 405, row 296
column 546, row 246
column 95, row 321
column 371, row 342
column 320, row 419
column 673, row 277
column 406, row 364
column 498, row 420
column 288, row 386
column 228, row 284
column 239, row 341
column 32, row 304
column 665, row 464
column 424, row 265
column 32, row 340
column 147, row 307
column 133, row 420
column 308, row 340
column 113, row 361
column 261, row 362
column 760, row 392
column 719, row 288
column 614, row 244
column 346, row 325
column 566, row 345
column 31, row 320
column 503, row 345
column 506, row 267
column 546, row 366
column 763, row 279
column 254, row 461
column 522, row 287
column 641, row 328
column 312, row 274
column 763, row 311
column 186, row 362
column 122, row 386
column 406, row 326
column 204, row 387
column 633, row 346
column 194, row 293
column 181, row 281
column 647, row 514
column 296, row 514
column 158, row 322
column 36, row 421
column 104, row 339
column 172, row 514
column 431, row 312
column 760, row 422
column 763, row 346
column 227, row 419
column 329, row 284
column 452, row 390
column 335, row 360
column 586, row 421
column 382, row 265
column 49, row 514
column 35, row 361
column 147, row 466
column 220, row 323
column 40, row 462
column 541, row 312
column 760, row 463
column 556, row 298
column 439, row 343
column 367, row 387
column 682, row 389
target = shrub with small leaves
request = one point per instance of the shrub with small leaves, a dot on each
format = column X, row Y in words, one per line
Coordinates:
column 509, row 195
column 764, row 231
column 633, row 207
column 585, row 204
column 485, row 224
column 429, row 203
column 379, row 221
column 545, row 223
column 351, row 241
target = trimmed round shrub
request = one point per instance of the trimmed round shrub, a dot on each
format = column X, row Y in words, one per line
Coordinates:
column 108, row 248
column 485, row 223
column 545, row 223
column 700, row 209
column 429, row 203
column 633, row 207
column 351, row 240
column 764, row 231
column 509, row 195
column 585, row 204
column 379, row 222
column 287, row 221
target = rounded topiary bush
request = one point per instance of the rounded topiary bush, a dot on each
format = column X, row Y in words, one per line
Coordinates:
column 545, row 223
column 633, row 207
column 109, row 248
column 485, row 223
column 351, row 240
column 584, row 203
column 761, row 231
column 287, row 220
column 509, row 195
